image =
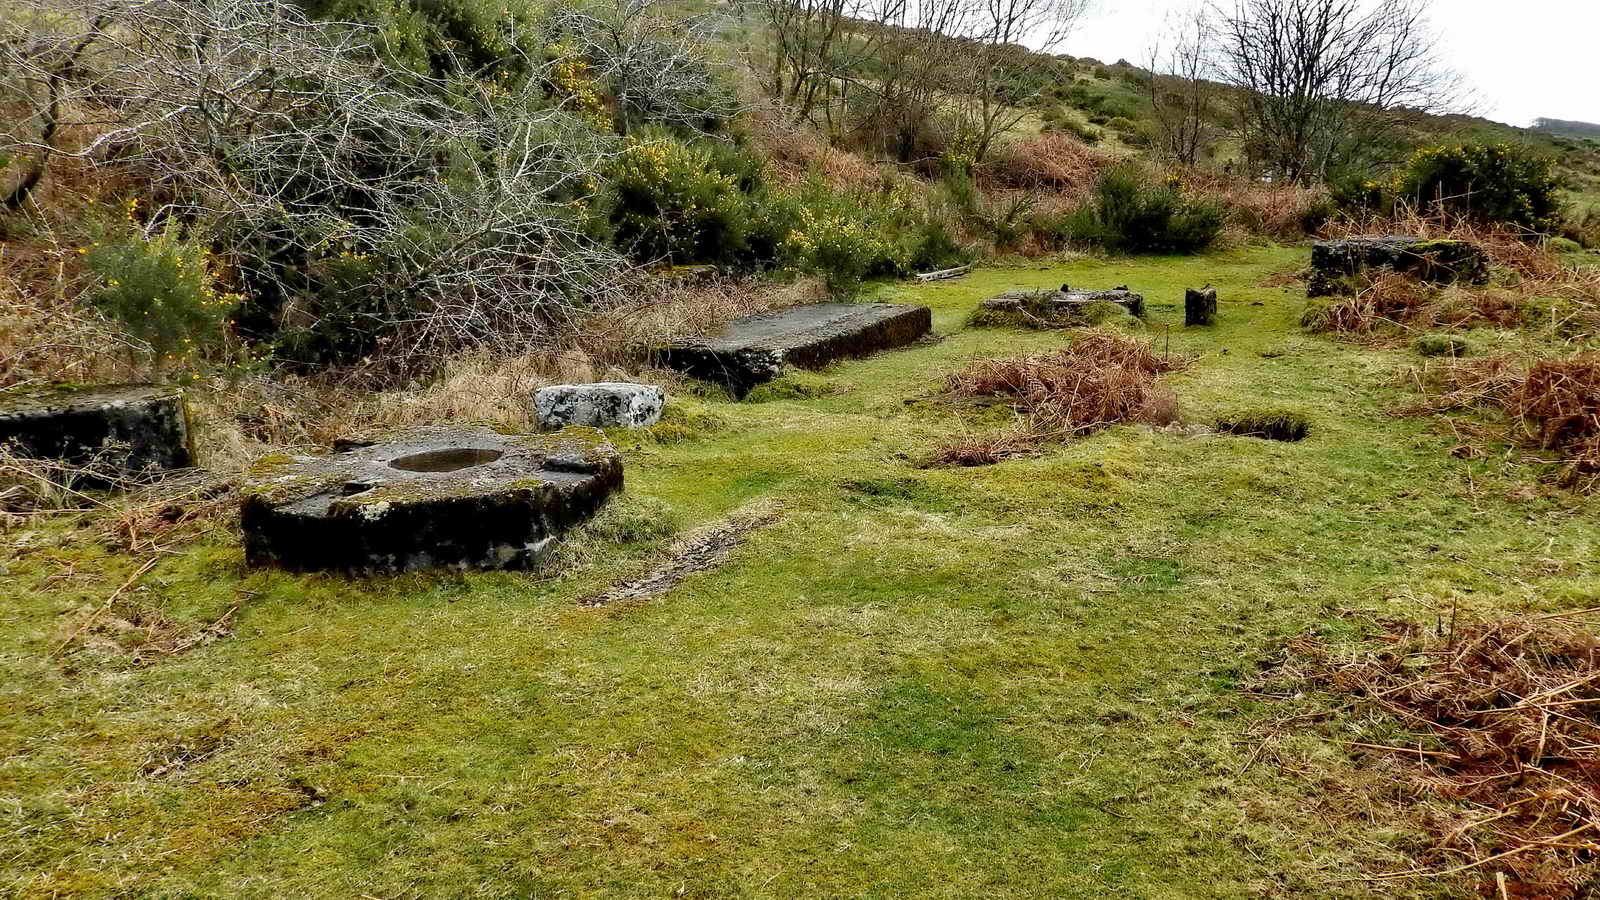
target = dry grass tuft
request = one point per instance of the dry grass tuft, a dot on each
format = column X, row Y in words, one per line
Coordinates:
column 1525, row 268
column 1101, row 380
column 1559, row 401
column 670, row 307
column 796, row 152
column 1503, row 715
column 1551, row 404
column 1055, row 161
column 1279, row 210
column 1392, row 301
column 45, row 334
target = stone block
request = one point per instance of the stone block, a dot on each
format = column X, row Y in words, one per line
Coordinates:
column 1066, row 307
column 606, row 404
column 1200, row 307
column 756, row 348
column 426, row 497
column 124, row 430
column 1433, row 260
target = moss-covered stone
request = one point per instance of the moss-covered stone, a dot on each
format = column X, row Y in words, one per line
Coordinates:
column 1438, row 260
column 1064, row 308
column 425, row 497
column 757, row 349
column 127, row 430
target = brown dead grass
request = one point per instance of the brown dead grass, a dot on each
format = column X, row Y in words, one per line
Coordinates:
column 1503, row 715
column 1053, row 161
column 1550, row 405
column 1102, row 379
column 45, row 334
column 1278, row 210
column 796, row 152
column 1390, row 305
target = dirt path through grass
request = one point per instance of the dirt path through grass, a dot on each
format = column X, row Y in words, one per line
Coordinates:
column 1018, row 680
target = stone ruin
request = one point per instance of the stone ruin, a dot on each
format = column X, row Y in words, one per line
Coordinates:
column 1200, row 307
column 117, row 430
column 604, row 404
column 755, row 349
column 426, row 497
column 1066, row 307
column 1440, row 261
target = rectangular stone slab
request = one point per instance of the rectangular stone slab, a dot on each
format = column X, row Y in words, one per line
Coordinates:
column 1053, row 309
column 755, row 348
column 1442, row 261
column 123, row 429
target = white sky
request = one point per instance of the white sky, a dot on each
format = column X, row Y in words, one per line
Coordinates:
column 1525, row 58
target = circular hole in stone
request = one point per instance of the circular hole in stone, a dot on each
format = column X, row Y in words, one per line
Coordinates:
column 448, row 460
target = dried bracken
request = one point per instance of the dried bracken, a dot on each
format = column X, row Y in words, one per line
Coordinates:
column 1551, row 404
column 1390, row 301
column 1503, row 715
column 1102, row 379
column 1559, row 403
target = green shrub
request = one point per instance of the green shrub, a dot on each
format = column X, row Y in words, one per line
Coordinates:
column 933, row 245
column 1486, row 183
column 1133, row 215
column 1317, row 213
column 1565, row 245
column 962, row 191
column 1441, row 345
column 425, row 34
column 850, row 236
column 674, row 202
column 161, row 289
column 1057, row 119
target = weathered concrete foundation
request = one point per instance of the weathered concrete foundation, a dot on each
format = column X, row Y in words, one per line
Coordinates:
column 1438, row 261
column 121, row 430
column 426, row 497
column 1064, row 308
column 756, row 349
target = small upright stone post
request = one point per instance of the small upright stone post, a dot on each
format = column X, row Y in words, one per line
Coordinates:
column 1200, row 307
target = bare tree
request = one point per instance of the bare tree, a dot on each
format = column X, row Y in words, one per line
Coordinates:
column 1318, row 79
column 1183, row 89
column 1008, row 60
column 296, row 146
column 653, row 60
column 817, row 44
column 917, row 61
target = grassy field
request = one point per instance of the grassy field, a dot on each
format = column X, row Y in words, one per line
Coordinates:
column 1019, row 680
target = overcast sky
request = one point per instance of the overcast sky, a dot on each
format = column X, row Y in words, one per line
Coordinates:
column 1525, row 58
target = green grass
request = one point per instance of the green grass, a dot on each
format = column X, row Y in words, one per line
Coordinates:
column 1019, row 680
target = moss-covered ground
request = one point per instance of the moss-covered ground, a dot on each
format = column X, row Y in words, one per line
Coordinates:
column 1019, row 680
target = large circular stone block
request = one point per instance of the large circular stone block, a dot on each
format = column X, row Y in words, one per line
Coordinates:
column 123, row 429
column 427, row 497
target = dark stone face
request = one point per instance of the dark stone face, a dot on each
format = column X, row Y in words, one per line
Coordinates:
column 128, row 429
column 1439, row 261
column 1200, row 307
column 755, row 349
column 427, row 497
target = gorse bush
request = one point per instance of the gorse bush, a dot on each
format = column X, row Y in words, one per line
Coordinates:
column 432, row 35
column 1131, row 214
column 888, row 233
column 1485, row 183
column 161, row 289
column 675, row 202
